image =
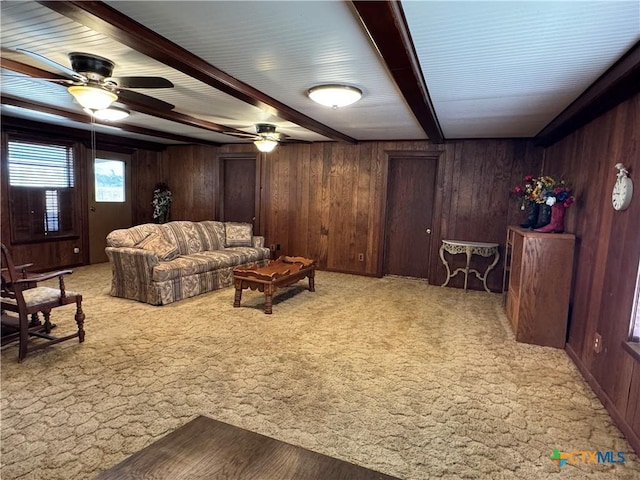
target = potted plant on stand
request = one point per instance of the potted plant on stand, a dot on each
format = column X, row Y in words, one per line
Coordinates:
column 161, row 203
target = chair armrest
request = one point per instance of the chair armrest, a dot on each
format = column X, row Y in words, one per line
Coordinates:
column 23, row 268
column 41, row 277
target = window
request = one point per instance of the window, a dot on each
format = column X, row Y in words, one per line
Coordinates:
column 634, row 331
column 109, row 180
column 41, row 190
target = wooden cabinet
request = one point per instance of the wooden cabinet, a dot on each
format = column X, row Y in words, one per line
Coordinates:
column 537, row 284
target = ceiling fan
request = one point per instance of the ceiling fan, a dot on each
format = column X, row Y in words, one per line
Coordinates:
column 267, row 137
column 90, row 82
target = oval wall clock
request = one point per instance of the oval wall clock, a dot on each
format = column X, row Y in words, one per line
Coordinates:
column 622, row 190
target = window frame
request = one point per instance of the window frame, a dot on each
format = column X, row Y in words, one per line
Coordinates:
column 69, row 207
column 634, row 322
column 632, row 344
column 125, row 174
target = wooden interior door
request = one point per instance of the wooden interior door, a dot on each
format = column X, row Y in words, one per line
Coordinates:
column 410, row 202
column 108, row 210
column 238, row 201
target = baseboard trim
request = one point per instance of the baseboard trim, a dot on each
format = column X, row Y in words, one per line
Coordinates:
column 631, row 436
column 337, row 270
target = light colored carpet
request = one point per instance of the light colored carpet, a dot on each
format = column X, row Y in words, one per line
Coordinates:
column 413, row 380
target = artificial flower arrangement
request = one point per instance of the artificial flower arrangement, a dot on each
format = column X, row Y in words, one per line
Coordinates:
column 543, row 190
column 525, row 192
column 561, row 193
column 162, row 199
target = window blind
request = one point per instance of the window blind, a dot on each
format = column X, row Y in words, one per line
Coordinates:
column 40, row 165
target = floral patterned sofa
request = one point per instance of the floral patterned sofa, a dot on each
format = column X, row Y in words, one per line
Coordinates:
column 160, row 264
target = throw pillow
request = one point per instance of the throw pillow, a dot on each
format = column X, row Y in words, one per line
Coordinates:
column 160, row 246
column 238, row 234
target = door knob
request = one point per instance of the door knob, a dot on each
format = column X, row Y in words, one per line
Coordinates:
column 93, row 209
column 428, row 231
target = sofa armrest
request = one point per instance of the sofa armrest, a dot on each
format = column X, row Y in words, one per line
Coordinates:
column 257, row 242
column 132, row 270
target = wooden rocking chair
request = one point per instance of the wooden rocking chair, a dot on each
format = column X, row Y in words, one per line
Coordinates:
column 22, row 298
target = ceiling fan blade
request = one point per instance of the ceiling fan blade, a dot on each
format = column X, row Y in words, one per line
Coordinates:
column 69, row 73
column 238, row 134
column 142, row 82
column 60, row 81
column 126, row 96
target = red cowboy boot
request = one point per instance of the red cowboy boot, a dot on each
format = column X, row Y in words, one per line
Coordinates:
column 556, row 225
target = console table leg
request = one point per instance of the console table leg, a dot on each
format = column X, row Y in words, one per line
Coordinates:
column 446, row 265
column 466, row 269
column 489, row 268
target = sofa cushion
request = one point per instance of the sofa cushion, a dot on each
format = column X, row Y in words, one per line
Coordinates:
column 238, row 234
column 186, row 236
column 165, row 249
column 129, row 237
column 206, row 261
column 211, row 234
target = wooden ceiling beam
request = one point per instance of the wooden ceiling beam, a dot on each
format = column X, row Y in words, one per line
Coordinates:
column 387, row 27
column 104, row 141
column 102, row 18
column 620, row 82
column 83, row 118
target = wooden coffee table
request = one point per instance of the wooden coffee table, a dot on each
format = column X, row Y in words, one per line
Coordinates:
column 282, row 272
column 206, row 449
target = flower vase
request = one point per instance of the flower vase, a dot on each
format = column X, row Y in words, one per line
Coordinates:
column 532, row 209
column 556, row 225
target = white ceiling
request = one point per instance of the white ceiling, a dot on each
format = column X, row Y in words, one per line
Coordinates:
column 492, row 69
column 507, row 68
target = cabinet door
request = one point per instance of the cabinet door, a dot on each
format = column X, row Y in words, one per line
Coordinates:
column 515, row 273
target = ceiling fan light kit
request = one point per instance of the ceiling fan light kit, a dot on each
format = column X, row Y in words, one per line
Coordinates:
column 334, row 95
column 265, row 145
column 93, row 98
column 111, row 114
column 267, row 137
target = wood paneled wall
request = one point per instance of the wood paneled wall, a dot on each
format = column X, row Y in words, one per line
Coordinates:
column 607, row 255
column 327, row 200
column 148, row 169
column 192, row 173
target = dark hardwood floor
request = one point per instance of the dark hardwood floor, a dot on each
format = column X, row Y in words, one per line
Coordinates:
column 208, row 449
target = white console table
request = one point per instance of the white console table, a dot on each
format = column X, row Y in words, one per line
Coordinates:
column 454, row 247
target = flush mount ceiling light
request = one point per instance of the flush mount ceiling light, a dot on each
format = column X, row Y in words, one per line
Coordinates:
column 334, row 95
column 265, row 145
column 111, row 114
column 94, row 98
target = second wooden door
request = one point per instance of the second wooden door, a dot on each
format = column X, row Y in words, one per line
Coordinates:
column 410, row 199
